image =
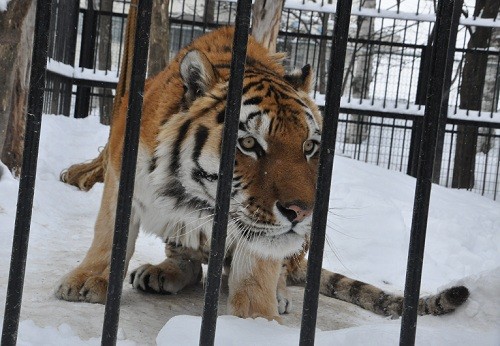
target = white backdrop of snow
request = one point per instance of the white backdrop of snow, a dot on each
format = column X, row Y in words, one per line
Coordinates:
column 367, row 239
column 3, row 4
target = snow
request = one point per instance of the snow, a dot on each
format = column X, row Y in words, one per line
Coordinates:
column 404, row 108
column 3, row 4
column 356, row 10
column 82, row 73
column 368, row 232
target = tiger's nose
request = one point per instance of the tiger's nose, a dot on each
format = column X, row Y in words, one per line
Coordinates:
column 295, row 211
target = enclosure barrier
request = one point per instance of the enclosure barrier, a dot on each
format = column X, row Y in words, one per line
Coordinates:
column 28, row 173
column 127, row 175
column 447, row 9
column 440, row 57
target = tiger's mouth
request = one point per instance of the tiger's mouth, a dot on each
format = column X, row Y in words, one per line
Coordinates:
column 255, row 231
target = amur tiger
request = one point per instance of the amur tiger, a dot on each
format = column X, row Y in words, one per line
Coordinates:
column 273, row 187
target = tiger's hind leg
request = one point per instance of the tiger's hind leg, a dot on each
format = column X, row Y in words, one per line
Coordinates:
column 180, row 269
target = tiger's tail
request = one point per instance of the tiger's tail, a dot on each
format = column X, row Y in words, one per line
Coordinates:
column 372, row 298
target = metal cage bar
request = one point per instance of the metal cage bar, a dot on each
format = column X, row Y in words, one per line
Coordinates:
column 328, row 138
column 435, row 90
column 28, row 174
column 128, row 168
column 224, row 185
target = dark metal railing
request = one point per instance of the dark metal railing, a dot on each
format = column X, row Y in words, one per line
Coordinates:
column 127, row 175
column 328, row 139
column 435, row 91
column 439, row 58
column 28, row 174
column 224, row 184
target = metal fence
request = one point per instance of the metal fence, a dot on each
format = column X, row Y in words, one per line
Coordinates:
column 439, row 64
column 384, row 84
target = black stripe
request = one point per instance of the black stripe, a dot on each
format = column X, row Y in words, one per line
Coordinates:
column 333, row 282
column 355, row 290
column 242, row 126
column 199, row 174
column 250, row 85
column 200, row 138
column 252, row 115
column 152, row 164
column 175, row 190
column 439, row 310
column 253, row 101
column 380, row 304
column 221, row 116
column 271, row 126
column 174, row 159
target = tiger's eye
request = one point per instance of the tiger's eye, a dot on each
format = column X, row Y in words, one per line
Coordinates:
column 247, row 142
column 309, row 146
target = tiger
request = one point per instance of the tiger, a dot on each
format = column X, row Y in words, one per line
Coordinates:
column 273, row 187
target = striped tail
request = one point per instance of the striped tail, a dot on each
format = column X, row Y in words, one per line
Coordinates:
column 372, row 298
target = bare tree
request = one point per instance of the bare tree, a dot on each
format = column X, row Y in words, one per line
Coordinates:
column 104, row 59
column 490, row 95
column 16, row 42
column 362, row 73
column 471, row 92
column 158, row 40
column 266, row 22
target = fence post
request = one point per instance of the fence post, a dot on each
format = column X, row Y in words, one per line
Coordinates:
column 127, row 176
column 327, row 151
column 224, row 184
column 457, row 11
column 425, row 169
column 28, row 174
column 87, row 51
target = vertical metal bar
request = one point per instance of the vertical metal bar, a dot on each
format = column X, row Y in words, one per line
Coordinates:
column 329, row 136
column 28, row 174
column 436, row 175
column 229, row 137
column 126, row 187
column 87, row 51
column 424, row 170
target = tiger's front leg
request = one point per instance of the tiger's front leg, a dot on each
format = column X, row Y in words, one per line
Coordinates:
column 88, row 282
column 252, row 286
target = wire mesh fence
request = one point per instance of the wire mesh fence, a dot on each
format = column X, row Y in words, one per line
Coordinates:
column 384, row 84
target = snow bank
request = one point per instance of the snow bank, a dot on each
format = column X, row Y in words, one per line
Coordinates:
column 368, row 232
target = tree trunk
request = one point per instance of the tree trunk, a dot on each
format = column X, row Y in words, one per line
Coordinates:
column 490, row 95
column 16, row 42
column 356, row 132
column 158, row 40
column 209, row 15
column 325, row 17
column 104, row 60
column 266, row 22
column 471, row 94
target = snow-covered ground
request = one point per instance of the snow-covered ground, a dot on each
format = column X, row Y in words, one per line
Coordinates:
column 368, row 236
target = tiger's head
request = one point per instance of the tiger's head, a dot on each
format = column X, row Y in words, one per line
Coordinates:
column 276, row 158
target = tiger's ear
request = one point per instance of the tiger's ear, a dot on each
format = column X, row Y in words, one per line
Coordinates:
column 301, row 79
column 198, row 75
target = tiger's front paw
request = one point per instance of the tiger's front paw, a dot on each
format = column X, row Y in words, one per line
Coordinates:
column 284, row 302
column 168, row 277
column 83, row 287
